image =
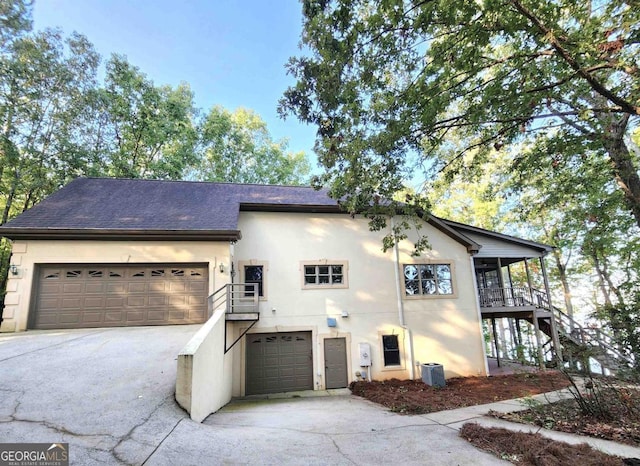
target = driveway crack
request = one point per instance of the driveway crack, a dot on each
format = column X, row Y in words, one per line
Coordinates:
column 162, row 441
column 129, row 435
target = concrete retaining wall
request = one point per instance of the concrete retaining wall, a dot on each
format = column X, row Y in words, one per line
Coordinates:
column 204, row 380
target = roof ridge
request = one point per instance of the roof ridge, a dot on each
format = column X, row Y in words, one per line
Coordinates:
column 137, row 180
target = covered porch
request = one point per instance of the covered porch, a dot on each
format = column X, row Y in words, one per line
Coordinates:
column 514, row 298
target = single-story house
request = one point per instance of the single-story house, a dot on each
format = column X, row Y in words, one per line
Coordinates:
column 309, row 299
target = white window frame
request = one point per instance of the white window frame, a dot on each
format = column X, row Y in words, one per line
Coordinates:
column 329, row 263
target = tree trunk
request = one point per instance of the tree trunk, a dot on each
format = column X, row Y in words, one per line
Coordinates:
column 624, row 170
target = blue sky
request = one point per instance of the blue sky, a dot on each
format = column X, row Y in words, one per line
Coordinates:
column 232, row 53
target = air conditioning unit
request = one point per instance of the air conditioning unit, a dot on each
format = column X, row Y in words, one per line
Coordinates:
column 433, row 374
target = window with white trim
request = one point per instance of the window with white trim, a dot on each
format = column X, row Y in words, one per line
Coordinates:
column 427, row 279
column 329, row 274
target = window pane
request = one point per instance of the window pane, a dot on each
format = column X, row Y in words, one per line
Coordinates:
column 444, row 272
column 323, row 279
column 310, row 279
column 411, row 287
column 391, row 350
column 309, row 270
column 410, row 272
column 336, row 269
column 323, row 269
column 428, row 287
column 426, row 271
column 336, row 278
column 444, row 287
column 253, row 275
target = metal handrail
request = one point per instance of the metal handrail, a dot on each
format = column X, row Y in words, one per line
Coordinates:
column 234, row 298
column 525, row 296
column 506, row 297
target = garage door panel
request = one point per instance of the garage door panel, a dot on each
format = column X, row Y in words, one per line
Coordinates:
column 177, row 300
column 94, row 287
column 278, row 362
column 158, row 286
column 157, row 300
column 69, row 317
column 115, row 301
column 92, row 317
column 94, row 302
column 116, row 288
column 113, row 316
column 136, row 301
column 197, row 316
column 196, row 286
column 73, row 288
column 71, row 303
column 139, row 287
column 178, row 287
column 93, row 296
column 156, row 315
column 135, row 316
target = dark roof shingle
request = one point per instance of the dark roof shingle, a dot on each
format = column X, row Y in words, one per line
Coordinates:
column 125, row 205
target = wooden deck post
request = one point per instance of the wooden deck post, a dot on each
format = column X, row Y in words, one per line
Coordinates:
column 495, row 340
column 536, row 326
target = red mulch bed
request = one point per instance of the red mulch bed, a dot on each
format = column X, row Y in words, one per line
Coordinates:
column 415, row 397
column 534, row 449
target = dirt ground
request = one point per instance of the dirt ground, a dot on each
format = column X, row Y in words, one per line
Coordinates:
column 414, row 397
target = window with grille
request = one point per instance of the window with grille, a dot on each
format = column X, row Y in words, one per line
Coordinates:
column 427, row 279
column 324, row 275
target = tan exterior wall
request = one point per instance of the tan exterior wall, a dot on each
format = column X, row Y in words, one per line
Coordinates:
column 203, row 385
column 446, row 330
column 28, row 254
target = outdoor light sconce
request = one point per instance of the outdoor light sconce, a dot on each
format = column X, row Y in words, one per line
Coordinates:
column 14, row 269
column 221, row 267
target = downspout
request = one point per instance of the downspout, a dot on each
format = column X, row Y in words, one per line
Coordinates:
column 404, row 326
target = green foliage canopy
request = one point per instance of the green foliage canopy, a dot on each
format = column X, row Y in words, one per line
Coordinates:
column 444, row 79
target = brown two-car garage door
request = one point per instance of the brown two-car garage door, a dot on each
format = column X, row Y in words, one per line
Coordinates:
column 119, row 295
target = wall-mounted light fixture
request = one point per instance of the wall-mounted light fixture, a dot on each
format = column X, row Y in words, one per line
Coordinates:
column 345, row 314
column 221, row 267
column 14, row 269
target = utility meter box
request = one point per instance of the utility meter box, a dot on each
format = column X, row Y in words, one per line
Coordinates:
column 365, row 354
column 433, row 374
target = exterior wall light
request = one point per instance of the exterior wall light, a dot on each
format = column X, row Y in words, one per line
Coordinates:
column 14, row 269
column 221, row 267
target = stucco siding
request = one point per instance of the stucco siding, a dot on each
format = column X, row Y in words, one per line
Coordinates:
column 440, row 329
column 27, row 255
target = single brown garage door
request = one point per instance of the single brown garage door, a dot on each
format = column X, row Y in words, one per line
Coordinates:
column 80, row 296
column 279, row 362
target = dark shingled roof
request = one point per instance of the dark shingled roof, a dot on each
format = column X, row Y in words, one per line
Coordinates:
column 125, row 209
column 148, row 208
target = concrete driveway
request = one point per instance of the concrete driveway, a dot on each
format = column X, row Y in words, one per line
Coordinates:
column 109, row 393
